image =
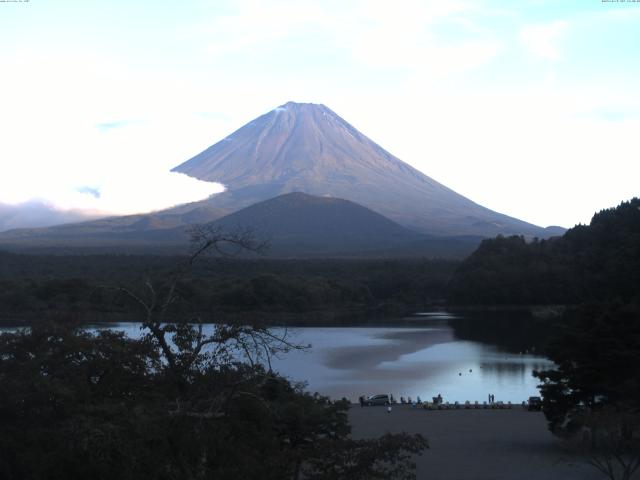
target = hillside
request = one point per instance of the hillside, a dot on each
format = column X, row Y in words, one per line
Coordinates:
column 298, row 224
column 588, row 263
column 295, row 225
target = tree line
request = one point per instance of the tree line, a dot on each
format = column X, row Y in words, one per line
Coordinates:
column 31, row 286
column 595, row 262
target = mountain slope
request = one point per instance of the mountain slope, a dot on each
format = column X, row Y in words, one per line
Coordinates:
column 301, row 225
column 298, row 223
column 131, row 233
column 295, row 225
column 308, row 148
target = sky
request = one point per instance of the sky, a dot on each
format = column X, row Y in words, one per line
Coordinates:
column 530, row 108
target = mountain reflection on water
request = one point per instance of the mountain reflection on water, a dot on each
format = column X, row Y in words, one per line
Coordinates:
column 422, row 358
column 514, row 331
column 462, row 358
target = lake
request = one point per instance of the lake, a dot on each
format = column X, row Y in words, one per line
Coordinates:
column 420, row 357
column 408, row 361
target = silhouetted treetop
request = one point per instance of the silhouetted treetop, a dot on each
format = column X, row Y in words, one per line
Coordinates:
column 589, row 262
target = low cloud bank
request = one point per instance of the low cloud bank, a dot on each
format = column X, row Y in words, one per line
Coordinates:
column 120, row 194
column 39, row 213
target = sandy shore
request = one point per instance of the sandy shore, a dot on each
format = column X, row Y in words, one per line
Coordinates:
column 477, row 444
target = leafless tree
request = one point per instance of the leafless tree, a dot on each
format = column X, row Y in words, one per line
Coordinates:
column 183, row 343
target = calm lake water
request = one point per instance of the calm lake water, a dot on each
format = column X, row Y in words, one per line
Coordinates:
column 408, row 361
column 413, row 358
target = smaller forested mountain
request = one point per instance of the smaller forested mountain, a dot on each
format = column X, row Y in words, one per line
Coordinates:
column 301, row 225
column 595, row 262
column 298, row 223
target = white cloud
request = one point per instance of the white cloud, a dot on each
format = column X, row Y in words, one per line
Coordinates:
column 255, row 24
column 143, row 192
column 118, row 192
column 78, row 121
column 439, row 62
column 542, row 40
column 374, row 33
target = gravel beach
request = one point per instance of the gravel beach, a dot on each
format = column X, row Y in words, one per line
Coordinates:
column 477, row 444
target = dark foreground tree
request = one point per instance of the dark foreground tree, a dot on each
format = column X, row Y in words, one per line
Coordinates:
column 103, row 406
column 595, row 262
column 592, row 397
column 181, row 402
column 612, row 445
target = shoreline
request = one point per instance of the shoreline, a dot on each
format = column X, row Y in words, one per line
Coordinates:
column 352, row 315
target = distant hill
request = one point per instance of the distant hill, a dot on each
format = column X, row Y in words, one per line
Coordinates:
column 304, row 147
column 298, row 224
column 588, row 263
column 160, row 232
column 295, row 224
